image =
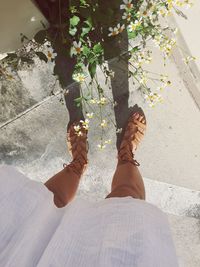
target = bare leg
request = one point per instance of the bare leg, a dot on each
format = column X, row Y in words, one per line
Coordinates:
column 64, row 186
column 65, row 183
column 127, row 181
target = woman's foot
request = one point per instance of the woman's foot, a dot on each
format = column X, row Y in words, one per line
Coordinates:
column 132, row 136
column 78, row 147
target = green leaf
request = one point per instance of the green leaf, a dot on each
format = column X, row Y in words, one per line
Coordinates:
column 135, row 49
column 87, row 26
column 88, row 22
column 79, row 67
column 74, row 21
column 73, row 31
column 86, row 51
column 98, row 48
column 78, row 101
column 91, row 57
column 83, row 3
column 85, row 31
column 132, row 35
column 92, row 69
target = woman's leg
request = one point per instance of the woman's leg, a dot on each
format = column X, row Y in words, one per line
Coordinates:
column 64, row 186
column 127, row 181
column 65, row 183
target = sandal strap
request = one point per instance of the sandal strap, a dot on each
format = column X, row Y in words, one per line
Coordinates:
column 132, row 161
column 76, row 166
column 78, row 148
column 125, row 155
column 125, row 152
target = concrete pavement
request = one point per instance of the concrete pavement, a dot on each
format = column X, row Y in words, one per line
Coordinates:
column 32, row 134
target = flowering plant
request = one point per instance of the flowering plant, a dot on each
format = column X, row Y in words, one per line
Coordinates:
column 93, row 26
column 143, row 21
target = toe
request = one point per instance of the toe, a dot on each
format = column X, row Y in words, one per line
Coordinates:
column 140, row 118
column 135, row 116
column 139, row 135
column 140, row 126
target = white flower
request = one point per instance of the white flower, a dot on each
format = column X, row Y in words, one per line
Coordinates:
column 101, row 146
column 108, row 141
column 77, row 128
column 85, row 124
column 113, row 31
column 90, row 115
column 77, row 47
column 93, row 101
column 153, row 98
column 86, row 121
column 79, row 77
column 127, row 16
column 79, row 133
column 102, row 101
column 188, row 59
column 119, row 130
column 159, row 88
column 163, row 12
column 143, row 80
column 116, row 30
column 145, row 12
column 133, row 26
column 166, row 83
column 111, row 73
column 50, row 54
column 127, row 4
column 152, row 105
column 141, row 58
column 188, row 4
column 103, row 123
column 175, row 30
column 120, row 28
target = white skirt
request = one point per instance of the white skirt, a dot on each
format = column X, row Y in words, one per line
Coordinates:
column 118, row 232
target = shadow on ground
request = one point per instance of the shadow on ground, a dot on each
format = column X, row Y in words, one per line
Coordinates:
column 64, row 64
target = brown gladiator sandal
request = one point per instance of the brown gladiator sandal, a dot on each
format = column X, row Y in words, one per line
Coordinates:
column 131, row 137
column 78, row 147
